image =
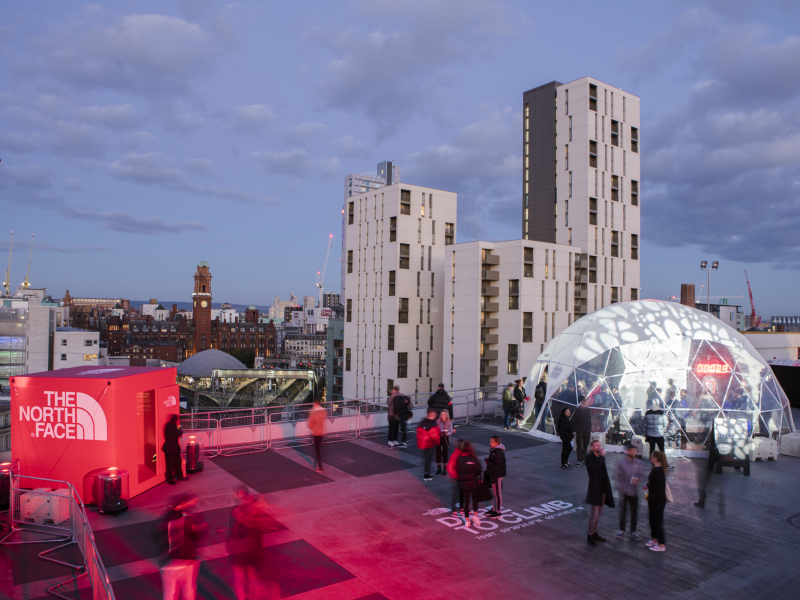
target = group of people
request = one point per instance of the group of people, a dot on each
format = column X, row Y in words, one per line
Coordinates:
column 513, row 404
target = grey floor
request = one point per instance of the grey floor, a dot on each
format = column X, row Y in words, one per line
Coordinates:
column 369, row 527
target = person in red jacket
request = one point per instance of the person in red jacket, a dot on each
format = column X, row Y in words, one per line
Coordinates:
column 427, row 440
column 456, row 495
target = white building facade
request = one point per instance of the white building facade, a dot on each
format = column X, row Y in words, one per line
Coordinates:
column 504, row 301
column 73, row 347
column 595, row 203
column 394, row 303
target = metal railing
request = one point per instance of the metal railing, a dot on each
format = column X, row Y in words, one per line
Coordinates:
column 229, row 432
column 55, row 509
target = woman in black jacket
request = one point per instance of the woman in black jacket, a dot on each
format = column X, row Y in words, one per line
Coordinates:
column 518, row 407
column 565, row 433
column 657, row 500
column 469, row 473
column 495, row 471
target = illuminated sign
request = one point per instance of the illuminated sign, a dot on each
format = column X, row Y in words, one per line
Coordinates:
column 711, row 368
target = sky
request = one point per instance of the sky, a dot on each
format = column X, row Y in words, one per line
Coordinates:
column 138, row 138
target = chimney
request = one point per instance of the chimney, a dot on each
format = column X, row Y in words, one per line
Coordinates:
column 687, row 294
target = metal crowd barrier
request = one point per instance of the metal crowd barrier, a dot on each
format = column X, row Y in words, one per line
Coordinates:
column 247, row 430
column 55, row 509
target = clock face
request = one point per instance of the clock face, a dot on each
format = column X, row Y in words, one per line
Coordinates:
column 204, row 304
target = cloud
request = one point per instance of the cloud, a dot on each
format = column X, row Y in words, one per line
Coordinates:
column 121, row 116
column 397, row 63
column 295, row 162
column 217, row 242
column 73, row 184
column 18, row 143
column 184, row 123
column 25, row 246
column 303, row 132
column 253, row 116
column 722, row 170
column 481, row 164
column 349, row 146
column 157, row 170
column 200, row 166
column 150, row 54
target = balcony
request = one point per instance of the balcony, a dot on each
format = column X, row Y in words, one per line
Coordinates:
column 490, row 306
column 490, row 323
column 488, row 371
column 488, row 275
column 488, row 338
column 491, row 259
column 489, row 355
column 488, row 290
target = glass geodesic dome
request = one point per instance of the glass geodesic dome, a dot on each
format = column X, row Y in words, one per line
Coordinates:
column 611, row 366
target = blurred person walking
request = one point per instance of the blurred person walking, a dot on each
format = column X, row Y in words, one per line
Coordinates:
column 564, row 431
column 495, row 472
column 172, row 450
column 316, row 423
column 655, row 426
column 657, row 497
column 599, row 492
column 428, row 439
column 469, row 474
column 446, row 429
column 175, row 536
column 628, row 472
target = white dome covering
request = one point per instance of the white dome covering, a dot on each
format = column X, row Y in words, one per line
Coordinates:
column 203, row 363
column 619, row 361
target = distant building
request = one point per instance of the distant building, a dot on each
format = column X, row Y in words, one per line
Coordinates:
column 74, row 347
column 305, row 346
column 100, row 303
column 730, row 314
column 329, row 299
column 687, row 295
column 334, row 360
column 785, row 324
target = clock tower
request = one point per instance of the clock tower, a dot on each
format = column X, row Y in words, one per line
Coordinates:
column 201, row 308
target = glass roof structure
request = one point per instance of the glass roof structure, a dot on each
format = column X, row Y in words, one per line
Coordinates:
column 611, row 366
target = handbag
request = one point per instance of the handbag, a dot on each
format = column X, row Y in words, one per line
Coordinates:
column 668, row 492
column 484, row 492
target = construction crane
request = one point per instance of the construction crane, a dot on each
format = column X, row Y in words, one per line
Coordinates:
column 26, row 284
column 755, row 320
column 321, row 272
column 7, row 280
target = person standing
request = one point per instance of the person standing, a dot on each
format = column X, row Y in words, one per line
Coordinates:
column 657, row 501
column 508, row 400
column 599, row 492
column 495, row 472
column 566, row 435
column 316, row 423
column 394, row 423
column 538, row 395
column 456, row 495
column 440, row 400
column 446, row 429
column 655, row 425
column 469, row 473
column 582, row 426
column 519, row 402
column 172, row 450
column 402, row 411
column 628, row 473
column 427, row 440
column 176, row 534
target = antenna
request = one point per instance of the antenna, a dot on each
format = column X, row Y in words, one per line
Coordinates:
column 26, row 284
column 7, row 280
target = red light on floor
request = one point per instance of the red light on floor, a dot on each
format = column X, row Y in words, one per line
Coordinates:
column 711, row 368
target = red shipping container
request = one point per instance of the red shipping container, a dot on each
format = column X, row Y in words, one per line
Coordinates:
column 67, row 423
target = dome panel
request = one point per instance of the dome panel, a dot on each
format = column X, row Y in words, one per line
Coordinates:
column 203, row 363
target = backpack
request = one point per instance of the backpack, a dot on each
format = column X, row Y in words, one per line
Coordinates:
column 539, row 392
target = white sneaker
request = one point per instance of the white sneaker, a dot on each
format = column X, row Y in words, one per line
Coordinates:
column 651, row 543
column 392, row 444
column 658, row 548
column 476, row 521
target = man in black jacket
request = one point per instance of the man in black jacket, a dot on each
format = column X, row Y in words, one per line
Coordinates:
column 172, row 450
column 599, row 493
column 440, row 400
column 495, row 471
column 401, row 408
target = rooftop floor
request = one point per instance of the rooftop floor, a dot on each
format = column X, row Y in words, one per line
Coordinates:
column 367, row 529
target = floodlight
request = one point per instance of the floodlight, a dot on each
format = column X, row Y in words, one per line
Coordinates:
column 714, row 265
column 703, row 264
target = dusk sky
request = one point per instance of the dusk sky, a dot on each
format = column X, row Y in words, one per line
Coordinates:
column 138, row 138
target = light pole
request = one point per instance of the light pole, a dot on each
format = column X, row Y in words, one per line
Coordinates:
column 704, row 266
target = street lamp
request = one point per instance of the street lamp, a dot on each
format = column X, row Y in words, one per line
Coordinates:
column 704, row 266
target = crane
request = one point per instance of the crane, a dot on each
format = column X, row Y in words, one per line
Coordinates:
column 321, row 272
column 755, row 320
column 26, row 284
column 7, row 280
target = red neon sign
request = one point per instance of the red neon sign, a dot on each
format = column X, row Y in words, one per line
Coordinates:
column 712, row 368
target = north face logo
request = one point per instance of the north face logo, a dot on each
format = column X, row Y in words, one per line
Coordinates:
column 68, row 415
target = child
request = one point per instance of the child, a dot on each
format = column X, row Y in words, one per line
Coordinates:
column 427, row 440
column 495, row 471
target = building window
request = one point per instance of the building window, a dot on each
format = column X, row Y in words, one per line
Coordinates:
column 614, row 132
column 570, row 184
column 528, row 262
column 393, row 229
column 431, row 337
column 566, row 102
column 423, row 205
column 513, row 359
column 419, row 226
column 402, row 365
column 347, row 359
column 634, row 246
column 390, row 338
column 63, row 342
column 449, row 234
column 429, row 311
column 63, row 357
column 433, row 278
column 350, row 212
column 349, row 261
column 391, row 282
column 634, row 294
column 402, row 314
column 419, row 277
column 527, row 327
column 87, row 342
column 405, row 202
column 634, row 139
column 566, row 157
column 404, row 255
column 513, row 294
column 592, row 97
column 570, row 129
column 542, row 295
column 593, row 156
column 634, row 193
column 349, row 310
column 615, row 244
column 566, row 210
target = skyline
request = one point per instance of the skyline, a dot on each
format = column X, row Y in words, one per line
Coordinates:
column 136, row 144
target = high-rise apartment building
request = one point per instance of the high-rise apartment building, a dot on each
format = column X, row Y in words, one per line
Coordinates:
column 388, row 173
column 394, row 260
column 588, row 196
